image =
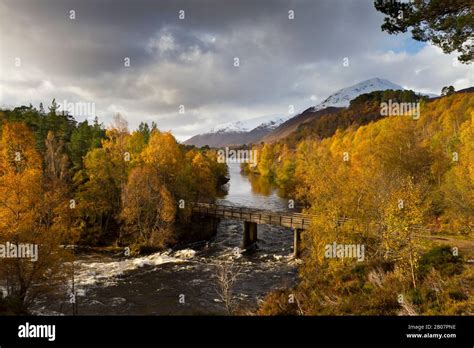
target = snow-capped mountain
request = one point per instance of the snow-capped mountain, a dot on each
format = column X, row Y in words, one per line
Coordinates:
column 342, row 97
column 337, row 100
column 274, row 127
column 239, row 132
column 270, row 122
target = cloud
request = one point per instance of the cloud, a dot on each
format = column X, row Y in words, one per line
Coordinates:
column 190, row 62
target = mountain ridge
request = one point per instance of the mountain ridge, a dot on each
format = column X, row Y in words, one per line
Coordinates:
column 273, row 128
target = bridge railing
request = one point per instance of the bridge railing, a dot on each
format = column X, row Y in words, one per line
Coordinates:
column 260, row 216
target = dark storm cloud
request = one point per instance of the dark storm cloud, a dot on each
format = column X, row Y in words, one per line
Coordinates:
column 105, row 31
column 190, row 62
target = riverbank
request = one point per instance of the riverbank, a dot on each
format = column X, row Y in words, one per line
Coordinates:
column 109, row 283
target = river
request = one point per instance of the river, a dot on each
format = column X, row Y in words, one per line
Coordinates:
column 184, row 282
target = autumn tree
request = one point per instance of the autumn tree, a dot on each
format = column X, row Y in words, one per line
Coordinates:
column 285, row 169
column 29, row 214
column 164, row 154
column 56, row 160
column 404, row 218
column 267, row 158
column 148, row 208
column 205, row 178
column 458, row 186
column 388, row 185
column 101, row 183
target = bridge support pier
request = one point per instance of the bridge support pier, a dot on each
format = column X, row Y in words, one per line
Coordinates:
column 250, row 234
column 297, row 242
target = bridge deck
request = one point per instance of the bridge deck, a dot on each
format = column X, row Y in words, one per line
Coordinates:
column 259, row 216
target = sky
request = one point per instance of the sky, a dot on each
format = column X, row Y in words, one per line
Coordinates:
column 182, row 72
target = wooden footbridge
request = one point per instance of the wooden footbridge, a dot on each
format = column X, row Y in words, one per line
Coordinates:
column 252, row 217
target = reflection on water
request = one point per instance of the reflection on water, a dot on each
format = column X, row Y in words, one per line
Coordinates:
column 261, row 193
column 264, row 186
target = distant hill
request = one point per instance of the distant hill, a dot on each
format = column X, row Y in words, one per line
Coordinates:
column 224, row 138
column 290, row 126
column 237, row 133
column 273, row 128
column 466, row 90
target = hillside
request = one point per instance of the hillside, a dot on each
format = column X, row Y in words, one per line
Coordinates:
column 400, row 188
column 237, row 133
column 362, row 110
column 277, row 127
column 290, row 126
